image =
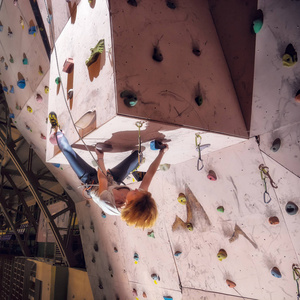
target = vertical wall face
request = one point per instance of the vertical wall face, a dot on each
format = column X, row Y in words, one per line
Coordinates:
column 166, row 90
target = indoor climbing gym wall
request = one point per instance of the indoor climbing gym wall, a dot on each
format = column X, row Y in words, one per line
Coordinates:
column 225, row 97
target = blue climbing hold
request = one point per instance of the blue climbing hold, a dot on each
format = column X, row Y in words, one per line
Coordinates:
column 1, row 28
column 103, row 215
column 12, row 90
column 12, row 116
column 25, row 61
column 21, row 84
column 136, row 256
column 156, row 145
column 56, row 165
column 275, row 272
column 5, row 89
column 32, row 30
column 168, row 298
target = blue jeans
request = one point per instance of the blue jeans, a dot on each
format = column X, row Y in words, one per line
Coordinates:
column 88, row 174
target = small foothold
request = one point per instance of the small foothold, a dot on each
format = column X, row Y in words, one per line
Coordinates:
column 171, row 4
column 276, row 145
column 212, row 175
column 29, row 109
column 144, row 295
column 130, row 102
column 273, row 220
column 43, row 137
column 189, row 226
column 181, row 198
column 258, row 21
column 196, row 51
column 56, row 165
column 39, row 98
column 275, row 272
column 25, row 61
column 2, row 59
column 28, row 128
column 70, row 93
column 297, row 97
column 157, row 55
column 41, row 70
column 46, row 89
column 68, row 65
column 5, row 66
column 222, row 254
column 5, row 88
column 12, row 90
column 168, row 298
column 291, row 208
column 134, row 293
column 32, row 30
column 49, row 18
column 21, row 83
column 115, row 250
column 199, row 100
column 11, row 59
column 155, row 277
column 132, row 2
column 22, row 22
column 1, row 28
column 96, row 248
column 103, row 215
column 220, row 209
column 290, row 56
column 130, row 98
column 12, row 116
column 230, row 283
column 136, row 257
column 151, row 234
column 178, row 253
column 57, row 80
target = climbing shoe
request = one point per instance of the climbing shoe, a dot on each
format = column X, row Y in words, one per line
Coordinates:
column 53, row 120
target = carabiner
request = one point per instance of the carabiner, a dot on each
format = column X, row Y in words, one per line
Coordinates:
column 266, row 193
column 198, row 164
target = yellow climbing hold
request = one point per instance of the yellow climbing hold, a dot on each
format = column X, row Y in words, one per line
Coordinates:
column 222, row 254
column 181, row 198
column 46, row 90
column 29, row 109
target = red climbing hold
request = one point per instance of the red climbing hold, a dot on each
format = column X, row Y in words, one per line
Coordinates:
column 68, row 65
column 212, row 175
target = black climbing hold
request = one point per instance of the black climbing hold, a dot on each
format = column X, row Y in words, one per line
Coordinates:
column 199, row 100
column 130, row 98
column 171, row 4
column 93, row 259
column 276, row 145
column 196, row 51
column 157, row 56
column 100, row 284
column 132, row 2
column 291, row 208
column 96, row 248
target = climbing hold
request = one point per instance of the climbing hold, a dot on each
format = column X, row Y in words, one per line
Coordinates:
column 49, row 18
column 199, row 100
column 41, row 70
column 68, row 65
column 168, row 298
column 56, row 165
column 11, row 115
column 134, row 293
column 25, row 61
column 273, row 220
column 151, row 234
column 144, row 295
column 189, row 226
column 115, row 250
column 196, row 51
column 181, row 198
column 275, row 272
column 222, row 254
column 290, row 56
column 156, row 145
column 132, row 2
column 52, row 139
column 32, row 30
column 9, row 32
column 11, row 59
column 136, row 257
column 57, row 80
column 95, row 52
column 1, row 27
column 103, row 215
column 291, row 208
column 12, row 90
column 258, row 21
column 28, row 128
column 171, row 4
column 5, row 88
column 46, row 89
column 18, row 107
column 157, row 55
column 70, row 93
column 155, row 277
column 297, row 97
column 21, row 83
column 43, row 137
column 130, row 98
column 22, row 22
column 96, row 248
column 5, row 66
column 178, row 253
column 29, row 109
column 212, row 175
column 39, row 98
column 230, row 283
column 220, row 209
column 276, row 145
column 2, row 59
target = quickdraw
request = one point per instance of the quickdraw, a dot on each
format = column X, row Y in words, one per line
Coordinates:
column 264, row 173
column 139, row 124
column 296, row 275
column 198, row 139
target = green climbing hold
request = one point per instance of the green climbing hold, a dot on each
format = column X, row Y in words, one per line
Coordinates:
column 95, row 52
column 220, row 209
column 258, row 21
column 57, row 80
column 151, row 234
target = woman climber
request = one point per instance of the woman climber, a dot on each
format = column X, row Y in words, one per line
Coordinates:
column 136, row 207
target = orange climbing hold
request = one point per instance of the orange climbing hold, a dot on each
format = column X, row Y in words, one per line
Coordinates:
column 273, row 220
column 230, row 283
